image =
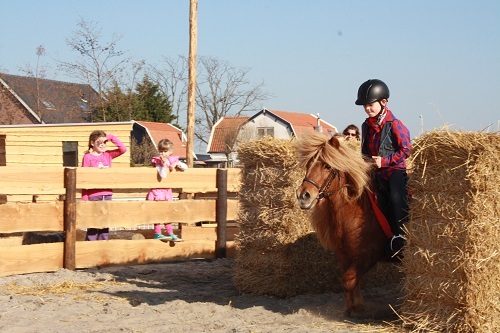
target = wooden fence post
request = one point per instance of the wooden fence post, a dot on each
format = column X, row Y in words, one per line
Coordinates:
column 69, row 219
column 221, row 213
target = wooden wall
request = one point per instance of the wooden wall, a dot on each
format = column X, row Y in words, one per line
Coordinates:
column 42, row 145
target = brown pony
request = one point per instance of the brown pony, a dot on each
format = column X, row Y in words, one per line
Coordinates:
column 335, row 190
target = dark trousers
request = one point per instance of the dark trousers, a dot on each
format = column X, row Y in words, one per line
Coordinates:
column 94, row 233
column 393, row 200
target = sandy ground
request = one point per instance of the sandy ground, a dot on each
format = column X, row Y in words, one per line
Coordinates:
column 187, row 296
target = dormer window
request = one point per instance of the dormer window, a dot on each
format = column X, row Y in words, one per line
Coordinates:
column 83, row 106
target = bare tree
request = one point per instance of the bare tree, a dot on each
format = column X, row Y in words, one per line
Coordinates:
column 99, row 64
column 223, row 90
column 172, row 79
column 38, row 72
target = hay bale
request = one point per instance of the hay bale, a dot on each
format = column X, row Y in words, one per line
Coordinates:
column 453, row 252
column 279, row 253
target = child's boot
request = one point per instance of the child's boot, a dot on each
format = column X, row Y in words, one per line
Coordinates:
column 174, row 238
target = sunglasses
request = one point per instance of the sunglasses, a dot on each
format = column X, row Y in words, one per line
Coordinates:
column 351, row 134
column 101, row 142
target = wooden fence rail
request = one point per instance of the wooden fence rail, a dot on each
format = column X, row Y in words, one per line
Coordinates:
column 71, row 214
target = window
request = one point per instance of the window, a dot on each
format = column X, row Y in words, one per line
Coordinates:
column 70, row 153
column 48, row 104
column 265, row 131
column 83, row 106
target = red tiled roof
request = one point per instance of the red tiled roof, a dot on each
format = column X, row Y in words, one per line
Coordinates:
column 303, row 122
column 160, row 131
column 225, row 127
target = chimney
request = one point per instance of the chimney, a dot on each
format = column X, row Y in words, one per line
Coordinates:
column 318, row 127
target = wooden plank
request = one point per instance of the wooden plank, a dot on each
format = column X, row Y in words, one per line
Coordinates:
column 46, row 189
column 130, row 214
column 191, row 180
column 39, row 197
column 18, row 217
column 44, row 178
column 48, row 216
column 23, row 259
column 49, row 180
column 203, row 233
column 62, row 129
column 120, row 252
column 56, row 159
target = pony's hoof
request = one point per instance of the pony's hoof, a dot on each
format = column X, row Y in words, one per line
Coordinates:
column 357, row 312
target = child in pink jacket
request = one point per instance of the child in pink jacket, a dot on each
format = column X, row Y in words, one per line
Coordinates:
column 164, row 163
column 98, row 157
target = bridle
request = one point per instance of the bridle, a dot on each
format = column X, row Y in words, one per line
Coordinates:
column 334, row 173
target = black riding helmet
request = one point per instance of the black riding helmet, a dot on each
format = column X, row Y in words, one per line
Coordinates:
column 372, row 91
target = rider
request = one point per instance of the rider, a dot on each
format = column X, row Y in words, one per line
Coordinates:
column 387, row 141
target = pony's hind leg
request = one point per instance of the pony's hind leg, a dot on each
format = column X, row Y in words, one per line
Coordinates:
column 353, row 298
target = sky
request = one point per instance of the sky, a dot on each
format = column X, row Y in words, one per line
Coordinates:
column 440, row 59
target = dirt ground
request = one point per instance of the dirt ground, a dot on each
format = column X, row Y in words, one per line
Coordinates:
column 185, row 296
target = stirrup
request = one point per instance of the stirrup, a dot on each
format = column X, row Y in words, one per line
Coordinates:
column 395, row 237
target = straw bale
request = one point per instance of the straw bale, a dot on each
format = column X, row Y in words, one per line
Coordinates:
column 279, row 252
column 453, row 254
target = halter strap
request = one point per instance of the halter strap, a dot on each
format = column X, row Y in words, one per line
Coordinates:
column 326, row 184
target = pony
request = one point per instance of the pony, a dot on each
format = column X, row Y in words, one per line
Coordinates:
column 336, row 190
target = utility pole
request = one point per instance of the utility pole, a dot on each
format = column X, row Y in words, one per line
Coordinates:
column 193, row 8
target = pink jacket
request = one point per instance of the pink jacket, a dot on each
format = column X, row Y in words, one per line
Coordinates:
column 102, row 161
column 162, row 194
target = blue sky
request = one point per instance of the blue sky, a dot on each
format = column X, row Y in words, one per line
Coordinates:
column 440, row 59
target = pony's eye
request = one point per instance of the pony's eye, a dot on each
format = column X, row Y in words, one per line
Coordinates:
column 327, row 167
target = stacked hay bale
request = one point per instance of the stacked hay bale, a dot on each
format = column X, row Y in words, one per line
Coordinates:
column 452, row 259
column 279, row 253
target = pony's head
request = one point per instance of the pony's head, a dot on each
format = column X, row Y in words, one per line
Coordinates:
column 332, row 168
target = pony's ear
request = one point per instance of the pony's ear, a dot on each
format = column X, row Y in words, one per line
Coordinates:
column 334, row 142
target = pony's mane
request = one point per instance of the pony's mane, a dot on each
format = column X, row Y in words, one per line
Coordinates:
column 313, row 146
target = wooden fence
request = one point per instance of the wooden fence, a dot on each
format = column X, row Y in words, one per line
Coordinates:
column 217, row 187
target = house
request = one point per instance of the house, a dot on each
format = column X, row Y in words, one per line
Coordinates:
column 30, row 100
column 157, row 131
column 228, row 131
column 48, row 122
column 221, row 145
column 65, row 144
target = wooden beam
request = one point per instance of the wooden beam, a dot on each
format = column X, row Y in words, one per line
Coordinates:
column 69, row 218
column 114, row 252
column 206, row 233
column 19, row 217
column 221, row 213
column 23, row 259
column 191, row 180
column 49, row 216
column 49, row 180
column 193, row 44
column 130, row 214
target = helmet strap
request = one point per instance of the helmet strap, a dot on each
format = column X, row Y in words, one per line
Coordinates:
column 382, row 108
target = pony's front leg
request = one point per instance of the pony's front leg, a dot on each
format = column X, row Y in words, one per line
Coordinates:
column 351, row 287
